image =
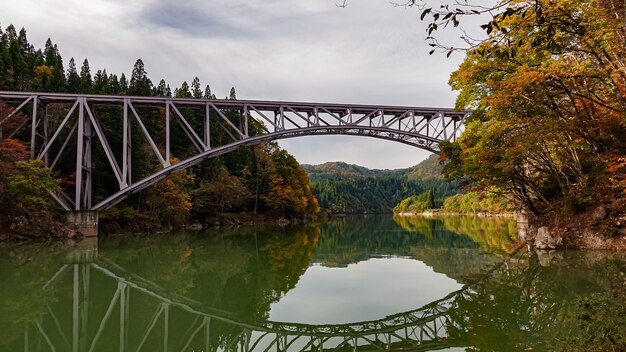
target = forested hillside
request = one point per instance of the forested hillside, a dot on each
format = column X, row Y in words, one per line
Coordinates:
column 264, row 178
column 345, row 188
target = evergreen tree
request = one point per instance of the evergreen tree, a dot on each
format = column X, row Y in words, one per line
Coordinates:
column 232, row 95
column 73, row 79
column 85, row 78
column 160, row 89
column 196, row 92
column 123, row 85
column 207, row 92
column 140, row 84
column 16, row 63
column 101, row 82
column 58, row 74
column 114, row 84
column 183, row 91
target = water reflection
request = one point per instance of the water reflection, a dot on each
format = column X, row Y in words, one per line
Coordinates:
column 216, row 292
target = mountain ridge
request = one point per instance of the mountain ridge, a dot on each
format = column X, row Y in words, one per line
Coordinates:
column 429, row 168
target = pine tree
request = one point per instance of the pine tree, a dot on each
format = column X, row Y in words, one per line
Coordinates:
column 114, row 84
column 207, row 92
column 159, row 90
column 232, row 95
column 15, row 61
column 140, row 84
column 85, row 78
column 183, row 91
column 57, row 79
column 195, row 88
column 101, row 82
column 73, row 79
column 123, row 86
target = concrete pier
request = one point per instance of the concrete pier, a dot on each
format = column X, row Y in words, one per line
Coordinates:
column 85, row 222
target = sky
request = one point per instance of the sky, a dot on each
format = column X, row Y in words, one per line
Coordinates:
column 370, row 52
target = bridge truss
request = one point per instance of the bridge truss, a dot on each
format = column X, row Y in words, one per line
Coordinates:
column 66, row 129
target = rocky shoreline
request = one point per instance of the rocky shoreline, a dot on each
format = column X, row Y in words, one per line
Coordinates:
column 598, row 229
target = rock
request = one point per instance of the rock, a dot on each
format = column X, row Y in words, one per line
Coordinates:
column 546, row 240
column 599, row 213
column 546, row 257
column 524, row 232
column 194, row 226
column 282, row 221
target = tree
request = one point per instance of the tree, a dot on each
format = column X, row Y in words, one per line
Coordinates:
column 169, row 200
column 549, row 92
column 161, row 89
column 73, row 79
column 196, row 92
column 226, row 192
column 140, row 84
column 183, row 91
column 85, row 78
column 28, row 189
column 207, row 93
column 123, row 85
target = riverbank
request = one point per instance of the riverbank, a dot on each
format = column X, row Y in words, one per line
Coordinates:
column 597, row 229
column 440, row 212
column 35, row 227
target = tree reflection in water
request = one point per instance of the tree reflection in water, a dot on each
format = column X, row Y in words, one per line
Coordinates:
column 214, row 292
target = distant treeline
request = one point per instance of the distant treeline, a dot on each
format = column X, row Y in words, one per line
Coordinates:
column 344, row 188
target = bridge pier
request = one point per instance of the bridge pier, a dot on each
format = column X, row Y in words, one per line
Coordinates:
column 85, row 222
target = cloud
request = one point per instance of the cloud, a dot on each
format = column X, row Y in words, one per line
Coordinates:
column 191, row 20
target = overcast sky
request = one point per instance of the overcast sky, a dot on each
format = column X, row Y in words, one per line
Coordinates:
column 370, row 52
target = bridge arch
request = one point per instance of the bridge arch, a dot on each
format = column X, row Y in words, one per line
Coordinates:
column 420, row 127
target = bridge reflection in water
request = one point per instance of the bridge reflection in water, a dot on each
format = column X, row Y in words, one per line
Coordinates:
column 181, row 324
column 90, row 301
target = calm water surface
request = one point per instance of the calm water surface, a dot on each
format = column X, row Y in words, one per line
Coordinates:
column 373, row 283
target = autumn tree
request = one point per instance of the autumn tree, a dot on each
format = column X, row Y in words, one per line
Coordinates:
column 225, row 192
column 548, row 91
column 170, row 200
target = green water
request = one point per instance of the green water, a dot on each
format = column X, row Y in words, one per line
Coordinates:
column 373, row 283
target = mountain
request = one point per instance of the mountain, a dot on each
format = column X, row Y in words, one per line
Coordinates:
column 343, row 169
column 430, row 168
column 346, row 188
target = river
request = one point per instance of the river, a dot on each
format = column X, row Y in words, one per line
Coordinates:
column 363, row 283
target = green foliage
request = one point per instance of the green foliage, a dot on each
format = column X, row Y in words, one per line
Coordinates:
column 339, row 186
column 428, row 169
column 416, row 204
column 478, row 202
column 28, row 189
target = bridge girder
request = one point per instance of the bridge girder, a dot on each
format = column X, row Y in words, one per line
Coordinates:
column 79, row 126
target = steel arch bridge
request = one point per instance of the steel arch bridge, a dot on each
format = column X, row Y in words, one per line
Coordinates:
column 78, row 130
